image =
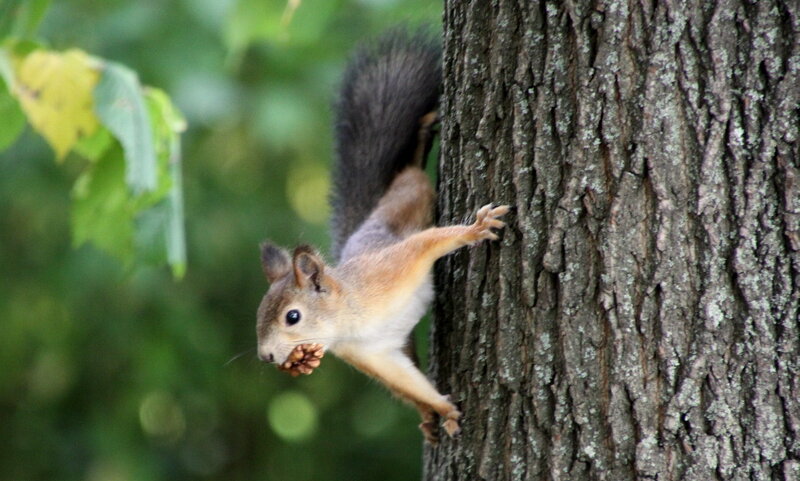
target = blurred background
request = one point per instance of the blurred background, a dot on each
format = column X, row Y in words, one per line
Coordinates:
column 114, row 373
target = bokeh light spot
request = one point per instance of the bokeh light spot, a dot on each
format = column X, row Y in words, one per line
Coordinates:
column 292, row 416
column 51, row 376
column 161, row 416
column 107, row 470
column 307, row 188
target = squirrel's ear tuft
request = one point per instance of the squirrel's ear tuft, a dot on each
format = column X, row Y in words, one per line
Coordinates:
column 309, row 268
column 274, row 261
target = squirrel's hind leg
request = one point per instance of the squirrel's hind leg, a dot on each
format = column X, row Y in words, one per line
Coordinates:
column 425, row 138
column 399, row 374
column 407, row 206
column 428, row 425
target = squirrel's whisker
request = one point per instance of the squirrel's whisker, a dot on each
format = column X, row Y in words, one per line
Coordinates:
column 237, row 356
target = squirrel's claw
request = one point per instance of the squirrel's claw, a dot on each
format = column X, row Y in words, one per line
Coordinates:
column 486, row 219
column 451, row 426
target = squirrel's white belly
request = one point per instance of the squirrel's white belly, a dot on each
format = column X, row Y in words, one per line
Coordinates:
column 391, row 330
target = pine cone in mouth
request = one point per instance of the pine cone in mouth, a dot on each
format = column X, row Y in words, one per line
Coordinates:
column 303, row 359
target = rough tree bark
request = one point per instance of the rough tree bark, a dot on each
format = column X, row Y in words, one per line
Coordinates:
column 639, row 318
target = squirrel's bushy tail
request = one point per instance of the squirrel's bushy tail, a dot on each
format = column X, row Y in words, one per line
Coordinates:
column 387, row 87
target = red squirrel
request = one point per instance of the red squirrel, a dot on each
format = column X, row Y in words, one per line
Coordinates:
column 363, row 308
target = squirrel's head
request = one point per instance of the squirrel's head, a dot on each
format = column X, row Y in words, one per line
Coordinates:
column 301, row 304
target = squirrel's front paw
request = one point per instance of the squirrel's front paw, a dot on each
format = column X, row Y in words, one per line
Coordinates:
column 486, row 220
column 303, row 359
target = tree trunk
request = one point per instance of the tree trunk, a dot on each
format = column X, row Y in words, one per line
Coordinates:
column 639, row 318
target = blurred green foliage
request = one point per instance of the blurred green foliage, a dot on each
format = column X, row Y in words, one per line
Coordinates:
column 112, row 374
column 128, row 196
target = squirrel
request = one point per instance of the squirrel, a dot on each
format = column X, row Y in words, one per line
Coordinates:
column 363, row 308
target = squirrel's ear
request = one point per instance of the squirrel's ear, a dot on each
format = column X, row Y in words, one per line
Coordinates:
column 274, row 261
column 309, row 269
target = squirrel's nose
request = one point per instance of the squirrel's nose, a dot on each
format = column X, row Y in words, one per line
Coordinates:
column 266, row 357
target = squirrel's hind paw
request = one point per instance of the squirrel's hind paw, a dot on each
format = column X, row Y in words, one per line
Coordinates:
column 428, row 429
column 450, row 425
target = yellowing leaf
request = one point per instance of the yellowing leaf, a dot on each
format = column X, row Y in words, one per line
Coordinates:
column 55, row 90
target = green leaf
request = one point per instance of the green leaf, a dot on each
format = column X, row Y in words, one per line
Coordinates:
column 166, row 117
column 21, row 47
column 151, row 225
column 101, row 207
column 22, row 18
column 6, row 69
column 94, row 146
column 168, row 123
column 160, row 238
column 121, row 107
column 8, row 14
column 176, row 237
column 12, row 120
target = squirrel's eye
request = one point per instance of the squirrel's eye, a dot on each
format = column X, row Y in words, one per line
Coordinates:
column 293, row 317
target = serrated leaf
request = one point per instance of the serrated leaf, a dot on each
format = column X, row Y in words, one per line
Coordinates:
column 101, row 209
column 121, row 107
column 55, row 91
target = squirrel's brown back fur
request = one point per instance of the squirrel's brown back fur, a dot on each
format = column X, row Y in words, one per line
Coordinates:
column 405, row 208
